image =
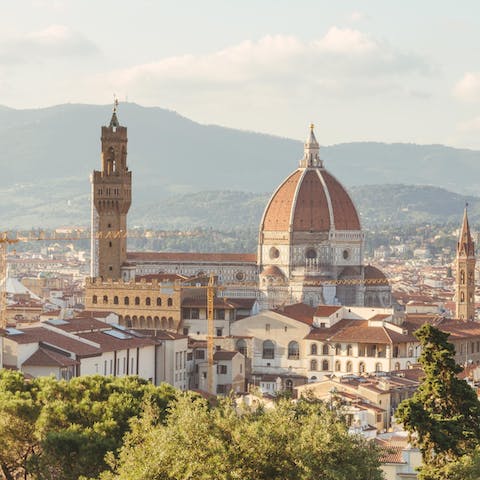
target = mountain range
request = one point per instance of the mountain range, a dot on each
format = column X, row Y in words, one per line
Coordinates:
column 188, row 174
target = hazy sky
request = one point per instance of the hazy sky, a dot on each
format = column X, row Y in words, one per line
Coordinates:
column 383, row 70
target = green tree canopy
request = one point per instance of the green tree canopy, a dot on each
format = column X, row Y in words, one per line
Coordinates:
column 443, row 416
column 303, row 441
column 52, row 429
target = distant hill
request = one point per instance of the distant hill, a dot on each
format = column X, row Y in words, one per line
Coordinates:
column 51, row 205
column 47, row 155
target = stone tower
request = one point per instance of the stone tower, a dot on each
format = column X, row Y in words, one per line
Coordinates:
column 111, row 198
column 465, row 275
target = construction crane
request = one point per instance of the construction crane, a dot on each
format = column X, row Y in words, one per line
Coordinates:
column 5, row 241
column 210, row 331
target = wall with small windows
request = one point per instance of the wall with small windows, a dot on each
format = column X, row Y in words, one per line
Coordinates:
column 139, row 304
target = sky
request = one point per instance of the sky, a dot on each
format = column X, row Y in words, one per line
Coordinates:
column 363, row 70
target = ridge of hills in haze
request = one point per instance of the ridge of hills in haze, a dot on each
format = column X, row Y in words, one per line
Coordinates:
column 187, row 174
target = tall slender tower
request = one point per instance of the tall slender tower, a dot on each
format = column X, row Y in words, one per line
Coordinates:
column 111, row 197
column 465, row 278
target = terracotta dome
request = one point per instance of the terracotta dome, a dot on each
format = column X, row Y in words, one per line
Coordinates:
column 374, row 273
column 310, row 200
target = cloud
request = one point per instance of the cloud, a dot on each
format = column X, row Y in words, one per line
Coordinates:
column 52, row 42
column 342, row 60
column 467, row 88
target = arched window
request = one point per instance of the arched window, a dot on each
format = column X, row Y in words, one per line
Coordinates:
column 349, row 350
column 241, row 346
column 311, row 253
column 169, row 302
column 128, row 321
column 397, row 366
column 462, row 277
column 293, row 351
column 378, row 367
column 349, row 367
column 164, row 323
column 105, row 299
column 159, row 302
column 462, row 297
column 115, row 300
column 325, row 349
column 361, row 367
column 338, row 366
column 170, row 323
column 338, row 349
column 289, row 385
column 137, row 300
column 126, row 301
column 148, row 302
column 313, row 349
column 268, row 350
column 325, row 366
column 94, row 299
column 313, row 365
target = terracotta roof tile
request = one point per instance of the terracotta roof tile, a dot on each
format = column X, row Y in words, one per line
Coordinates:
column 180, row 257
column 298, row 311
column 47, row 358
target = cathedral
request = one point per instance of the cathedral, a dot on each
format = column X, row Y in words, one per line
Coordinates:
column 310, row 245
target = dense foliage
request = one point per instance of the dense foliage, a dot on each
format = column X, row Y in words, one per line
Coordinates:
column 53, row 429
column 444, row 414
column 302, row 441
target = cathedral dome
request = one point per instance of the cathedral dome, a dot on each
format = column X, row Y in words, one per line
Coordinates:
column 310, row 199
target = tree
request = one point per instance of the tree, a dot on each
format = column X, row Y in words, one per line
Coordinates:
column 52, row 429
column 443, row 416
column 302, row 441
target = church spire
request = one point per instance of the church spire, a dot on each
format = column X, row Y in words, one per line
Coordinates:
column 114, row 121
column 311, row 155
column 465, row 272
column 465, row 242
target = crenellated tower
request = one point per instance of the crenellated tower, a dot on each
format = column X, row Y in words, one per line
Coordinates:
column 111, row 199
column 465, row 274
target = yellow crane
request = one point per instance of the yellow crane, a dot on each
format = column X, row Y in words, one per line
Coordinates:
column 210, row 332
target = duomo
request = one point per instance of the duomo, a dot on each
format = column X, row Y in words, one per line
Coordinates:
column 310, row 249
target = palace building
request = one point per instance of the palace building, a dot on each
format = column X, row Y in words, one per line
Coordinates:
column 310, row 247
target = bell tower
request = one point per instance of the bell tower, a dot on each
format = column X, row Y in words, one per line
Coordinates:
column 111, row 199
column 465, row 274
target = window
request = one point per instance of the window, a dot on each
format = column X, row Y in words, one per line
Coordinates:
column 349, row 367
column 126, row 301
column 337, row 366
column 349, row 350
column 313, row 349
column 115, row 300
column 267, row 327
column 361, row 367
column 219, row 332
column 220, row 313
column 148, row 302
column 221, row 388
column 311, row 253
column 268, row 350
column 378, row 367
column 94, row 299
column 137, row 300
column 313, row 365
column 397, row 366
column 338, row 349
column 325, row 349
column 242, row 347
column 325, row 366
column 185, row 330
column 289, row 385
column 199, row 354
column 105, row 299
column 159, row 302
column 222, row 369
column 293, row 351
column 169, row 302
